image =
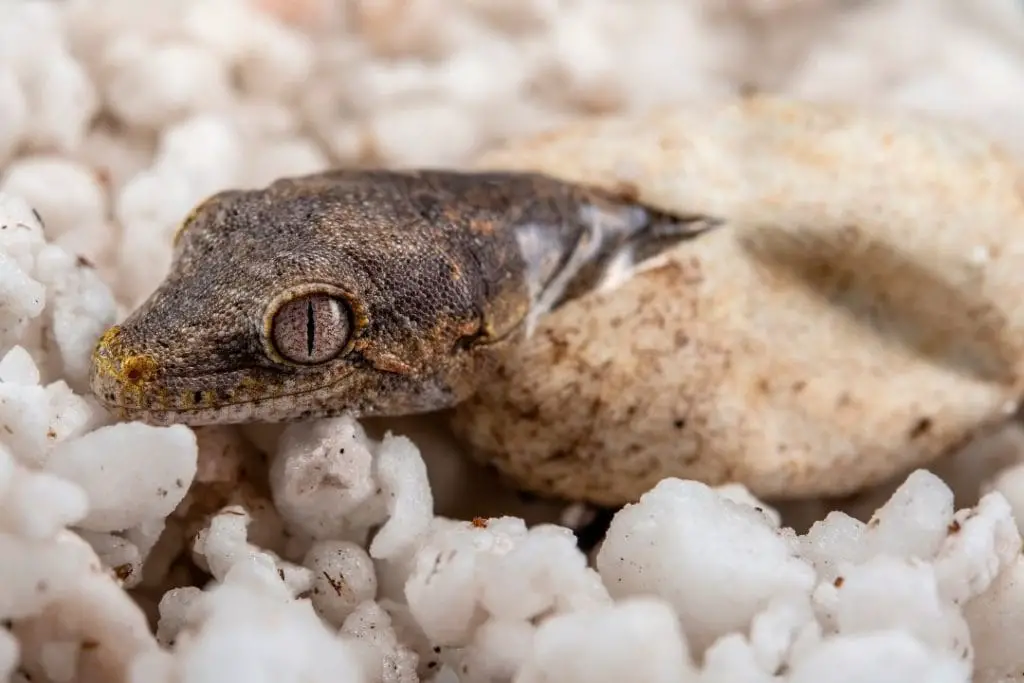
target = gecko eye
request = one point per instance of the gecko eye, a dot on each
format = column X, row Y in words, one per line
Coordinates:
column 311, row 329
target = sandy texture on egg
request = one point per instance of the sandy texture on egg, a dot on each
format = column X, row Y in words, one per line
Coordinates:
column 378, row 552
column 858, row 313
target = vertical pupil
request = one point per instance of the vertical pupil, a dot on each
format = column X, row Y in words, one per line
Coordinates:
column 310, row 327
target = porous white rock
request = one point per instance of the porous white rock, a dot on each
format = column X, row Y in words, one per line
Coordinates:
column 62, row 100
column 1010, row 483
column 605, row 642
column 879, row 657
column 81, row 203
column 248, row 628
column 153, row 85
column 982, row 542
column 323, row 471
column 39, row 505
column 224, row 543
column 23, row 296
column 36, row 571
column 499, row 649
column 18, row 367
column 887, row 593
column 121, row 116
column 385, row 659
column 13, row 112
column 343, row 578
column 80, row 307
column 130, row 472
column 27, row 422
column 90, row 627
column 466, row 573
column 912, row 523
column 717, row 562
column 403, row 477
column 443, row 589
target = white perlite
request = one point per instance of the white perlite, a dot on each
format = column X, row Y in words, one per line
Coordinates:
column 321, row 552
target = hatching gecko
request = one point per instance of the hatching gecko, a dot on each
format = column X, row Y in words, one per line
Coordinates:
column 366, row 292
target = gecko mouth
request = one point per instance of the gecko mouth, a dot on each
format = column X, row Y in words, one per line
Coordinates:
column 130, row 386
column 156, row 407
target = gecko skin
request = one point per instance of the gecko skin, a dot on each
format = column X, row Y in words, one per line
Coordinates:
column 372, row 293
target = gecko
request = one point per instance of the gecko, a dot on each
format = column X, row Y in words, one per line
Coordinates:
column 372, row 293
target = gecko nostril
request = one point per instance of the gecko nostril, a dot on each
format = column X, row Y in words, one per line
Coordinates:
column 137, row 369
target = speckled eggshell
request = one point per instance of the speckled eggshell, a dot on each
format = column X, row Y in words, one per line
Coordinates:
column 858, row 314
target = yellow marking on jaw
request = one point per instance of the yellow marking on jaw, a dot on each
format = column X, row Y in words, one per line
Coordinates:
column 109, row 340
column 253, row 387
column 106, row 352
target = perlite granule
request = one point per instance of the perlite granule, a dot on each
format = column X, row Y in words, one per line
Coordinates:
column 333, row 551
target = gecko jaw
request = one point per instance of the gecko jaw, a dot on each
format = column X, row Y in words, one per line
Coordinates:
column 131, row 385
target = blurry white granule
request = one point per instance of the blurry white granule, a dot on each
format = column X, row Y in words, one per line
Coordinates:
column 83, row 627
column 958, row 60
column 9, row 654
column 467, row 575
column 80, row 203
column 1010, row 483
column 886, row 656
column 75, row 217
column 248, row 628
column 384, row 657
column 118, row 553
column 637, row 639
column 13, row 112
column 195, row 158
column 152, row 85
column 717, row 562
column 983, row 542
column 56, row 88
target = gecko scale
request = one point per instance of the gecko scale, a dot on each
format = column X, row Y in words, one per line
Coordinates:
column 371, row 293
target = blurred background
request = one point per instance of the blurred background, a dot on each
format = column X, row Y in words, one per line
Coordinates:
column 137, row 110
column 118, row 116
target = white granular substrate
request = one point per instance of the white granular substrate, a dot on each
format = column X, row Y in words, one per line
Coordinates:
column 322, row 552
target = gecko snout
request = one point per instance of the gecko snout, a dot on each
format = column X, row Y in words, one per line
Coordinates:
column 120, row 377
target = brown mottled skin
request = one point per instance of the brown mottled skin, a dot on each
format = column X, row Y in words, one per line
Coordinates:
column 437, row 272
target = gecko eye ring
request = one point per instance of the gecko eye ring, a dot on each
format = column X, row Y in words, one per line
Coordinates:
column 311, row 328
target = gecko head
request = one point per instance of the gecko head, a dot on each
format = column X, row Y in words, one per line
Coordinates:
column 309, row 298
